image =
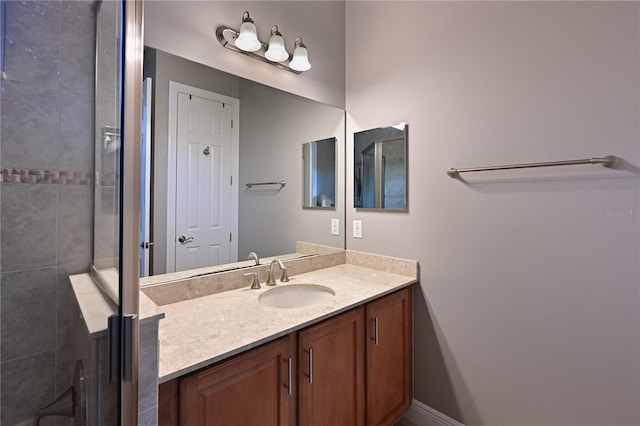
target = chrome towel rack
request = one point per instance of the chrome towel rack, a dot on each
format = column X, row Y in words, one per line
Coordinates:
column 282, row 184
column 607, row 161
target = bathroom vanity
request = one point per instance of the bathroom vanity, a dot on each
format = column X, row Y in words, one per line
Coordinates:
column 227, row 358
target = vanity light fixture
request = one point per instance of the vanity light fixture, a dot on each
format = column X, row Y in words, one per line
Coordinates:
column 275, row 53
column 300, row 61
column 248, row 38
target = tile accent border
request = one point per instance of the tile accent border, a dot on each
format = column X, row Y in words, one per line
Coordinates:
column 39, row 176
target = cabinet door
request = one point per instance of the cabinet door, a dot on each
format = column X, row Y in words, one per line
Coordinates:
column 251, row 389
column 389, row 357
column 331, row 371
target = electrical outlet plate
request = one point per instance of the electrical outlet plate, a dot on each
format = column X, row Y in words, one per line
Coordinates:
column 335, row 226
column 357, row 229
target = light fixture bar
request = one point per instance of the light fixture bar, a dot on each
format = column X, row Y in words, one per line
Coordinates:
column 227, row 36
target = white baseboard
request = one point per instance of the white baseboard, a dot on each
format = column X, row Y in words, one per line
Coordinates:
column 423, row 415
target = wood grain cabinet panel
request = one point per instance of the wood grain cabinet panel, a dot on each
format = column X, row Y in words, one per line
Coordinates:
column 331, row 371
column 352, row 369
column 389, row 376
column 250, row 389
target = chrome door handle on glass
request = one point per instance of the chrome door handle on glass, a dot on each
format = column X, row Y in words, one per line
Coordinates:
column 184, row 240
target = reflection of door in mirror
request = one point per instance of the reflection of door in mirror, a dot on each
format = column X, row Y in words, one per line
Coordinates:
column 205, row 204
column 319, row 174
column 380, row 175
column 145, row 180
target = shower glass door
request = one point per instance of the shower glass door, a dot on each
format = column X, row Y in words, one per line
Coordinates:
column 117, row 112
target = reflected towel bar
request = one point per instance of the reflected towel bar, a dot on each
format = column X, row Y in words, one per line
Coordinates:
column 282, row 184
column 607, row 161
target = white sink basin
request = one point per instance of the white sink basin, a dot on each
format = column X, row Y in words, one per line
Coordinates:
column 296, row 296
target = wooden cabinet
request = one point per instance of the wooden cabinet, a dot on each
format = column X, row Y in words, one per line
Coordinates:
column 254, row 388
column 389, row 374
column 351, row 369
column 331, row 371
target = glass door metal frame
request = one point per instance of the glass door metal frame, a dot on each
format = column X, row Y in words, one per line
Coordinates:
column 131, row 122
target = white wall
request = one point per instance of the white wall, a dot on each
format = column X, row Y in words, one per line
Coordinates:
column 529, row 305
column 187, row 29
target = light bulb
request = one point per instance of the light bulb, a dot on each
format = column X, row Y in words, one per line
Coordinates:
column 248, row 38
column 300, row 61
column 276, row 51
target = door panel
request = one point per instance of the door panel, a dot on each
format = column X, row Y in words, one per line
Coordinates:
column 331, row 371
column 250, row 389
column 389, row 357
column 203, row 182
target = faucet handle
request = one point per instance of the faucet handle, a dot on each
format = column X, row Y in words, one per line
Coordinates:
column 256, row 282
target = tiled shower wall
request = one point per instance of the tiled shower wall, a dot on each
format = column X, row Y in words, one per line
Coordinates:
column 45, row 195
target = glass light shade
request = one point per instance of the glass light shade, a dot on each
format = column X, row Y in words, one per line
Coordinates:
column 300, row 61
column 248, row 38
column 276, row 51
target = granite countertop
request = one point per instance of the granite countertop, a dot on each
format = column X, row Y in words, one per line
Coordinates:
column 199, row 332
column 95, row 307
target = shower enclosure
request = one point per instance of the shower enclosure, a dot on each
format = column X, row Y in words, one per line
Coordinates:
column 117, row 118
column 69, row 138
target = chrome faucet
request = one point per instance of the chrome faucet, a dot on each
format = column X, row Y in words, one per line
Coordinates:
column 254, row 256
column 255, row 282
column 271, row 280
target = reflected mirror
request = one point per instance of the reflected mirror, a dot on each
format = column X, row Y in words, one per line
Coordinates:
column 319, row 174
column 225, row 160
column 380, row 169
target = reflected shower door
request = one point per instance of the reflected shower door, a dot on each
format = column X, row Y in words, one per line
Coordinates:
column 383, row 175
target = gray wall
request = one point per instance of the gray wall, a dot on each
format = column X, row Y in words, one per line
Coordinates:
column 270, row 221
column 46, row 196
column 527, row 310
column 187, row 29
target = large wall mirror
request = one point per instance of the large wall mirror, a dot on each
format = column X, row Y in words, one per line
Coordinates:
column 225, row 160
column 380, row 169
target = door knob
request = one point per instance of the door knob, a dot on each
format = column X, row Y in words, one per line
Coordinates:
column 184, row 240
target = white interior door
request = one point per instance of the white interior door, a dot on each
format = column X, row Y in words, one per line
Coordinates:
column 145, row 179
column 203, row 183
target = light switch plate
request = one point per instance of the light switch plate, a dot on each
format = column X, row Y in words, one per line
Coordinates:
column 335, row 226
column 357, row 229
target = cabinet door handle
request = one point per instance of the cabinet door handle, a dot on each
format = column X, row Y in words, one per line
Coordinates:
column 310, row 375
column 375, row 338
column 290, row 377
